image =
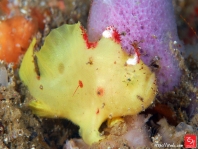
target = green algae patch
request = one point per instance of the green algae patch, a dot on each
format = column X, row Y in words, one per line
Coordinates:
column 85, row 84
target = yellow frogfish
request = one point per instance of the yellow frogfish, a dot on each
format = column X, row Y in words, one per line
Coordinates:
column 87, row 83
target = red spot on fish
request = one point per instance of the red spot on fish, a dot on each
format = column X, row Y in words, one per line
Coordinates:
column 85, row 37
column 100, row 91
column 113, row 33
column 38, row 77
column 80, row 84
column 137, row 48
column 98, row 111
column 116, row 36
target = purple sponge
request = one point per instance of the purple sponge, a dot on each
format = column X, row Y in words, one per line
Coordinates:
column 151, row 24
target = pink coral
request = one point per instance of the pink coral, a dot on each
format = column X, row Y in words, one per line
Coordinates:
column 151, row 24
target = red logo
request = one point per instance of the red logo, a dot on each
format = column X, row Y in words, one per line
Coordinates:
column 190, row 141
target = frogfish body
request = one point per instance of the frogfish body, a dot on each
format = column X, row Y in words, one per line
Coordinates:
column 84, row 82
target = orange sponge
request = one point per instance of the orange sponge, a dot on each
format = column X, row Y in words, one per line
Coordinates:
column 15, row 37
